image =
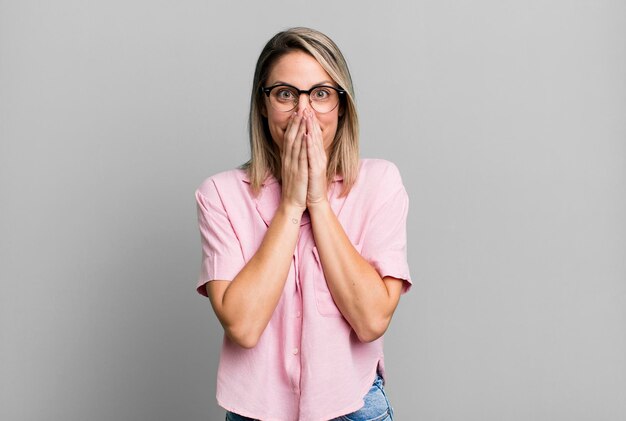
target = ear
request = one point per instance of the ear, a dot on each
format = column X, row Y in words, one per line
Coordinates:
column 263, row 109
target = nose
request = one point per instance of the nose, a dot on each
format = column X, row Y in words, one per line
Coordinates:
column 304, row 103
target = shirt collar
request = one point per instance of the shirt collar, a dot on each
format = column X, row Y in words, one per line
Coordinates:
column 271, row 179
column 269, row 198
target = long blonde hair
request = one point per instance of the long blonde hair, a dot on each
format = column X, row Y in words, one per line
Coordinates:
column 343, row 158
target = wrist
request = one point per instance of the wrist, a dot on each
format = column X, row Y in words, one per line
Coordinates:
column 293, row 211
column 318, row 206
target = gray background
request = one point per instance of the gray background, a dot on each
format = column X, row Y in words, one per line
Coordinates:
column 505, row 118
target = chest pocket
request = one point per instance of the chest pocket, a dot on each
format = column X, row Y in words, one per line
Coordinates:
column 323, row 299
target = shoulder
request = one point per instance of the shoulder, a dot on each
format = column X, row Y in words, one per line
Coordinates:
column 380, row 181
column 223, row 181
column 380, row 171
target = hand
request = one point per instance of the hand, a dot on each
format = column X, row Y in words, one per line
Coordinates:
column 294, row 164
column 317, row 162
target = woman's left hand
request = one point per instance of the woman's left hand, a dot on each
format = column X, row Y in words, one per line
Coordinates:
column 317, row 187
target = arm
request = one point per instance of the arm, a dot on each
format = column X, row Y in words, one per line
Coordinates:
column 244, row 306
column 366, row 300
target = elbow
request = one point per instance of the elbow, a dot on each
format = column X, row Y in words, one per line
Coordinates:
column 242, row 337
column 368, row 336
column 373, row 330
column 247, row 342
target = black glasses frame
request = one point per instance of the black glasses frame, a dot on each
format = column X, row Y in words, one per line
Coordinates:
column 268, row 89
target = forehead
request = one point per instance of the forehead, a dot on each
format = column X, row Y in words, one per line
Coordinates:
column 299, row 69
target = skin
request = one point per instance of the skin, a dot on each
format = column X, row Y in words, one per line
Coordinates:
column 302, row 71
column 245, row 305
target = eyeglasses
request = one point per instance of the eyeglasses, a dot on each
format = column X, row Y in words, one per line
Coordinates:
column 323, row 98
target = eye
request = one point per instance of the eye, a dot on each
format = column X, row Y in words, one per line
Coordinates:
column 284, row 94
column 320, row 94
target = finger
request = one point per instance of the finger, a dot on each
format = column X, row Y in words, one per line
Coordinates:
column 317, row 139
column 310, row 151
column 309, row 123
column 290, row 121
column 292, row 127
column 297, row 145
column 317, row 128
column 288, row 136
column 304, row 156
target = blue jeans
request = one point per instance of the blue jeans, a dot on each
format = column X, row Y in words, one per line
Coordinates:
column 376, row 408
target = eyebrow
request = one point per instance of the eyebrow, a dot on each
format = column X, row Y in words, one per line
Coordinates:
column 324, row 82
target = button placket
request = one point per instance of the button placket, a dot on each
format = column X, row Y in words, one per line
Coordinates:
column 294, row 352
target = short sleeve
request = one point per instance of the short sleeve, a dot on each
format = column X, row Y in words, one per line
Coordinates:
column 384, row 244
column 222, row 256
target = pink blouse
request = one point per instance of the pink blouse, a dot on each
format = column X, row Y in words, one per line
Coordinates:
column 308, row 364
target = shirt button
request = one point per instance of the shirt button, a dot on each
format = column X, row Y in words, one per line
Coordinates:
column 295, row 351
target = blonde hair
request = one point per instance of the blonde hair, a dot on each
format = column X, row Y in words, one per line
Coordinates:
column 343, row 157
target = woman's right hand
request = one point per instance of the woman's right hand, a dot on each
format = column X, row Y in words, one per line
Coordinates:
column 294, row 163
column 246, row 303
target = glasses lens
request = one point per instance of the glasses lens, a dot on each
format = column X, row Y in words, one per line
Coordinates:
column 284, row 98
column 324, row 99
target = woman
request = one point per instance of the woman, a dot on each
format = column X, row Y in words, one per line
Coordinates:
column 304, row 247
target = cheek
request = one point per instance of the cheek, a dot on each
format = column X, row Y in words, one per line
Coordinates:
column 329, row 123
column 277, row 125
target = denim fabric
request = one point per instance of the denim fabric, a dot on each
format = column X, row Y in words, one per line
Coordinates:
column 376, row 408
column 231, row 416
